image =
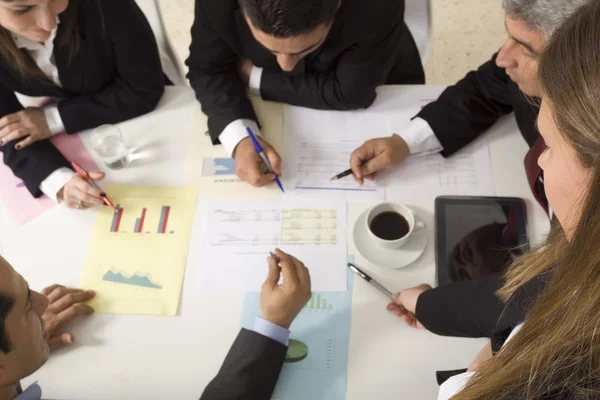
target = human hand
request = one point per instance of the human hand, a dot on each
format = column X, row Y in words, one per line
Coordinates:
column 80, row 194
column 245, row 69
column 280, row 304
column 248, row 162
column 481, row 357
column 377, row 154
column 29, row 123
column 405, row 304
column 65, row 305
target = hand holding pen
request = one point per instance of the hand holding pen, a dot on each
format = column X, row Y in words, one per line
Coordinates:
column 248, row 162
column 81, row 192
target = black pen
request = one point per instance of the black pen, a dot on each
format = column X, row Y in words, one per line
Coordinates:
column 346, row 172
column 372, row 281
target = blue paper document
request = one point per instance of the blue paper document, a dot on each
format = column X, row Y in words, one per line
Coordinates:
column 317, row 363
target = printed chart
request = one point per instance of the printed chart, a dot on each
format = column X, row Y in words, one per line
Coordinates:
column 137, row 255
column 318, row 356
column 239, row 235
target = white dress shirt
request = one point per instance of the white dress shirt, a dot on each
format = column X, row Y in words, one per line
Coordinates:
column 235, row 132
column 43, row 55
column 417, row 134
column 457, row 383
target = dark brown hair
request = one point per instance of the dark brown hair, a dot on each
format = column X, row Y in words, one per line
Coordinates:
column 21, row 61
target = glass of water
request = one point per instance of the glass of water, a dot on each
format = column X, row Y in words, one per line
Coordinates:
column 107, row 141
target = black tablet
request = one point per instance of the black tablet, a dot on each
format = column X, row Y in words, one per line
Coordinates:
column 478, row 236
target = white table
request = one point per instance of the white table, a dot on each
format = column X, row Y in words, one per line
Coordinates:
column 130, row 357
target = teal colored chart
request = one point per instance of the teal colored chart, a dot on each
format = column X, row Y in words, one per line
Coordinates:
column 134, row 280
column 218, row 166
column 324, row 327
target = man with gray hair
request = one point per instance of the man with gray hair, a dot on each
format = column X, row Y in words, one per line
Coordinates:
column 461, row 114
column 466, row 110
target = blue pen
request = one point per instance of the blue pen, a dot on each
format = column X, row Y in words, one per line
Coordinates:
column 263, row 156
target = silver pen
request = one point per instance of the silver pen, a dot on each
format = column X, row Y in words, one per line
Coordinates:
column 372, row 281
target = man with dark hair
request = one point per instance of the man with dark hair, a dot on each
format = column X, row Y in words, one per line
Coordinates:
column 30, row 323
column 322, row 54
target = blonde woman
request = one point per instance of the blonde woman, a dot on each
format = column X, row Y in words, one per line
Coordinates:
column 555, row 351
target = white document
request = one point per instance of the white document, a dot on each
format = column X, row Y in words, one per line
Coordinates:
column 238, row 236
column 317, row 146
column 466, row 173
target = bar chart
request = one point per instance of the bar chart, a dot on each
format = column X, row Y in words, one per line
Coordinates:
column 164, row 220
column 318, row 302
column 117, row 217
column 118, row 226
column 139, row 223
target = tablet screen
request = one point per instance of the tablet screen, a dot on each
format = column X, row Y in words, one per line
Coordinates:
column 478, row 236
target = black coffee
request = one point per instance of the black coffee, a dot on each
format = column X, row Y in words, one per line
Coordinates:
column 389, row 225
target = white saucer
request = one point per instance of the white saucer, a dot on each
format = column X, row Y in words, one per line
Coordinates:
column 388, row 258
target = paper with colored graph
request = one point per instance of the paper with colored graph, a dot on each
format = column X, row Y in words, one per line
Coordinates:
column 238, row 236
column 137, row 256
column 316, row 365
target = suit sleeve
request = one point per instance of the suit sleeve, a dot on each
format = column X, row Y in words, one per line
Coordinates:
column 34, row 163
column 464, row 309
column 214, row 76
column 350, row 85
column 140, row 81
column 250, row 370
column 466, row 110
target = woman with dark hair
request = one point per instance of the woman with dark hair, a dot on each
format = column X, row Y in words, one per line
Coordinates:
column 97, row 62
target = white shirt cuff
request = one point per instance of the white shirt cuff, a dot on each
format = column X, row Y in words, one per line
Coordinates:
column 255, row 78
column 235, row 132
column 420, row 138
column 271, row 330
column 56, row 181
column 55, row 122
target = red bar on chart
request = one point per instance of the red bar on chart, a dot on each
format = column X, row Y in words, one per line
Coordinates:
column 117, row 219
column 139, row 223
column 164, row 219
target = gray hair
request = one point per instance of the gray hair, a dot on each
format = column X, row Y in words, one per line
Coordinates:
column 544, row 16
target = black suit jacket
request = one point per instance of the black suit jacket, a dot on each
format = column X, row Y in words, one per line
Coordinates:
column 472, row 309
column 466, row 110
column 250, row 370
column 461, row 114
column 116, row 75
column 368, row 45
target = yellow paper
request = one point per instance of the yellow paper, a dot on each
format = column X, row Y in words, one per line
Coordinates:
column 136, row 259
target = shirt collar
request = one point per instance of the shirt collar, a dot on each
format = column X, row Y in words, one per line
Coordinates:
column 24, row 43
column 33, row 392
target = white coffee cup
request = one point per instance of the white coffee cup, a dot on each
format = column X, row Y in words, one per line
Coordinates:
column 404, row 211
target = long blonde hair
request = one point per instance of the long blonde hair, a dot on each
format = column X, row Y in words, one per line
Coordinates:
column 557, row 351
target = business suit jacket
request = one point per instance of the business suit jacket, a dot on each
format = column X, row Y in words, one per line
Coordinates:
column 368, row 45
column 472, row 309
column 462, row 113
column 116, row 75
column 466, row 110
column 250, row 370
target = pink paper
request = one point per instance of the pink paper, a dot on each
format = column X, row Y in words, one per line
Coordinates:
column 21, row 205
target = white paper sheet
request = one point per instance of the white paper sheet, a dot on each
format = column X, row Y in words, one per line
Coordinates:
column 238, row 236
column 466, row 173
column 317, row 146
